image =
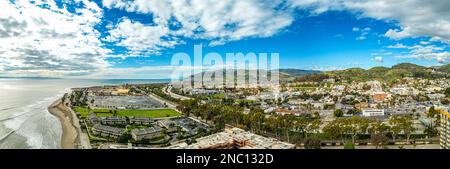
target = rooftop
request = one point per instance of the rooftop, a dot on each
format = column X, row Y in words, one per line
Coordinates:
column 235, row 138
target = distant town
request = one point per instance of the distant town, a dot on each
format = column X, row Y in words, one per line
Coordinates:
column 403, row 107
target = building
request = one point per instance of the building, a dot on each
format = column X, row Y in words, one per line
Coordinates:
column 379, row 96
column 373, row 112
column 169, row 125
column 147, row 133
column 362, row 105
column 444, row 130
column 400, row 90
column 107, row 131
column 141, row 120
column 204, row 91
column 234, row 138
column 114, row 120
column 122, row 92
column 283, row 112
column 93, row 119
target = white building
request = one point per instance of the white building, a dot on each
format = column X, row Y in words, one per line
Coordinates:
column 373, row 112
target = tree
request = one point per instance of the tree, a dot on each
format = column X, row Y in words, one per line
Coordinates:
column 313, row 126
column 349, row 145
column 379, row 139
column 353, row 111
column 407, row 126
column 300, row 125
column 377, row 126
column 312, row 143
column 396, row 127
column 124, row 138
column 334, row 130
column 338, row 113
column 356, row 126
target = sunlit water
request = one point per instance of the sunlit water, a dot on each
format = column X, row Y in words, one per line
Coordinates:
column 24, row 119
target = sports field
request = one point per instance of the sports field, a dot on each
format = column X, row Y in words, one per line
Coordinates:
column 136, row 113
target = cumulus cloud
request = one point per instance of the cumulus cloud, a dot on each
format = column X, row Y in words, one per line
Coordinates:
column 141, row 39
column 231, row 20
column 378, row 59
column 415, row 18
column 40, row 37
column 216, row 21
column 427, row 52
column 397, row 46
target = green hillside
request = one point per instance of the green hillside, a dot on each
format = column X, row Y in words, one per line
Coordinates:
column 388, row 74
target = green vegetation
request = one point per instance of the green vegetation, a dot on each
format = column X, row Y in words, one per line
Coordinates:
column 445, row 68
column 312, row 143
column 349, row 145
column 136, row 113
column 338, row 113
column 389, row 74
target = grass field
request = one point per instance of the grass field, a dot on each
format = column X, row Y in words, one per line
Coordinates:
column 136, row 113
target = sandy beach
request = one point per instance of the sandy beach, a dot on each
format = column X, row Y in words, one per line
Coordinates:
column 70, row 127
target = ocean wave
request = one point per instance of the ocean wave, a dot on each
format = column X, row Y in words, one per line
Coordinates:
column 35, row 123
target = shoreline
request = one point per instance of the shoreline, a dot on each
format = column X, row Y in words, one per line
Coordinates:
column 69, row 132
column 72, row 137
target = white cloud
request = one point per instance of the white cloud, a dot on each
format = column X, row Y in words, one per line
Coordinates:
column 230, row 20
column 397, row 46
column 416, row 18
column 427, row 52
column 217, row 21
column 140, row 39
column 51, row 40
column 378, row 59
column 363, row 32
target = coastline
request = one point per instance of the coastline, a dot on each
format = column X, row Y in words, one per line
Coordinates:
column 69, row 132
column 72, row 137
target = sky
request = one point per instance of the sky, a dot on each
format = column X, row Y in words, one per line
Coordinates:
column 137, row 39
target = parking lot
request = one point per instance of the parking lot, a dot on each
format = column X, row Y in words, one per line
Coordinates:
column 126, row 102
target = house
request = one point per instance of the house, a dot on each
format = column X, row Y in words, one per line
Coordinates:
column 362, row 105
column 107, row 131
column 169, row 125
column 204, row 91
column 339, row 88
column 373, row 112
column 283, row 112
column 436, row 96
column 379, row 96
column 140, row 120
column 318, row 104
column 400, row 90
column 147, row 133
column 93, row 119
column 268, row 110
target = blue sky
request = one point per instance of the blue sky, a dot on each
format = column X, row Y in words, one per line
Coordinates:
column 136, row 39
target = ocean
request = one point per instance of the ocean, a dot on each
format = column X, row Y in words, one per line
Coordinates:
column 24, row 119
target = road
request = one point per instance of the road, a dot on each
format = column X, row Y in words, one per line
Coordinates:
column 168, row 91
column 421, row 146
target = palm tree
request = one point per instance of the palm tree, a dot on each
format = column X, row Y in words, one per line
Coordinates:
column 396, row 128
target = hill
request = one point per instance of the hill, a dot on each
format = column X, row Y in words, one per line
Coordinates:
column 444, row 68
column 388, row 74
column 298, row 72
